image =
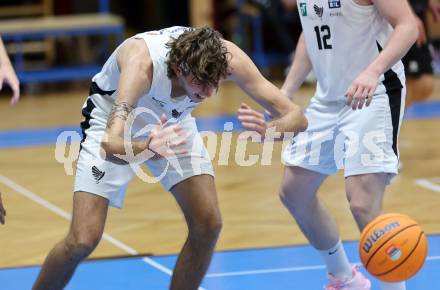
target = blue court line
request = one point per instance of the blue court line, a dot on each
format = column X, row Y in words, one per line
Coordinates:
column 278, row 268
column 424, row 110
column 48, row 136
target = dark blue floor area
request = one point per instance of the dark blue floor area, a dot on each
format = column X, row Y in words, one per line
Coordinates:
column 282, row 268
column 48, row 136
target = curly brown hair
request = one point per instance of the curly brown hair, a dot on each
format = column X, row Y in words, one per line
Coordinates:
column 201, row 53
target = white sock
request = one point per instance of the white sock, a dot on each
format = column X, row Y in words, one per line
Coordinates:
column 337, row 262
column 392, row 286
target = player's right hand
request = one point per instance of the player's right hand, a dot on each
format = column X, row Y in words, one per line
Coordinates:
column 163, row 139
column 2, row 211
column 361, row 90
column 250, row 119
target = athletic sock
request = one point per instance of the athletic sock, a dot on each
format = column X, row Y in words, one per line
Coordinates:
column 392, row 286
column 337, row 262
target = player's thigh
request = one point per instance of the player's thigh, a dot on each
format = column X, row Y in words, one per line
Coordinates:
column 300, row 185
column 88, row 217
column 197, row 197
column 370, row 136
column 313, row 149
column 365, row 191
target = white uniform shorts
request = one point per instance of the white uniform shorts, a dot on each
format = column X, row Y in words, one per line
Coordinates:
column 360, row 142
column 110, row 180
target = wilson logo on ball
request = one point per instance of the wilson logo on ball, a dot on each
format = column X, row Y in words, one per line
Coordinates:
column 377, row 234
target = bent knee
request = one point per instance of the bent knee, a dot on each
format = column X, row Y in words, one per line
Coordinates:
column 207, row 227
column 78, row 248
column 295, row 200
column 364, row 211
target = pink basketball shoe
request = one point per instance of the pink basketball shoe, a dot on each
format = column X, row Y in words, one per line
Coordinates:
column 357, row 282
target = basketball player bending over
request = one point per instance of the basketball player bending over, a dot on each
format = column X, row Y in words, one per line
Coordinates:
column 354, row 48
column 169, row 72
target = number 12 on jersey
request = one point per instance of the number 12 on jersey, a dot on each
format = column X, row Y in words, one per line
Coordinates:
column 323, row 36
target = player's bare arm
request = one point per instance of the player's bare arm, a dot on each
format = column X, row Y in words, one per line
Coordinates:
column 398, row 13
column 300, row 68
column 7, row 75
column 288, row 116
column 136, row 69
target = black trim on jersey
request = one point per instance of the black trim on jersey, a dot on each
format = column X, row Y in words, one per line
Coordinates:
column 393, row 88
column 95, row 89
column 87, row 113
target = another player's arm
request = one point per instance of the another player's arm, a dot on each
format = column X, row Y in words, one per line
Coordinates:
column 399, row 14
column 134, row 63
column 300, row 68
column 288, row 117
column 7, row 74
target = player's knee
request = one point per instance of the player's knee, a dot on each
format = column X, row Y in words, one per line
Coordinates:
column 79, row 247
column 207, row 227
column 291, row 200
column 286, row 196
column 363, row 210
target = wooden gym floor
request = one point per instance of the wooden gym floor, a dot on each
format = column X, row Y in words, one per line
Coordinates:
column 37, row 191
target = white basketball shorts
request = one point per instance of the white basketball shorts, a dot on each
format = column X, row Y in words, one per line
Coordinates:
column 360, row 142
column 109, row 180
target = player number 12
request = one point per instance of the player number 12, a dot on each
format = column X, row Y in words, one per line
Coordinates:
column 323, row 36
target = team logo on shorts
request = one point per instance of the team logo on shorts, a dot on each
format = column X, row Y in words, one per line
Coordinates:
column 97, row 174
column 303, row 8
column 334, row 4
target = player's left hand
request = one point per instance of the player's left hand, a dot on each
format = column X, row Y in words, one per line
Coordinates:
column 252, row 119
column 361, row 90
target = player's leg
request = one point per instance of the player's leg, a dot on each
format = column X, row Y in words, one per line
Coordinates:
column 375, row 159
column 87, row 226
column 310, row 158
column 365, row 194
column 98, row 184
column 197, row 197
column 298, row 194
column 190, row 178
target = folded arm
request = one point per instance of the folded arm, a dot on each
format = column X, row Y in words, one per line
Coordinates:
column 135, row 65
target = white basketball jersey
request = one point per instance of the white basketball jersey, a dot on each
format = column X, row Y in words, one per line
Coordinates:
column 342, row 39
column 158, row 100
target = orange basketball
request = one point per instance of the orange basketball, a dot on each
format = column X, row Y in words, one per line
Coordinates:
column 393, row 247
